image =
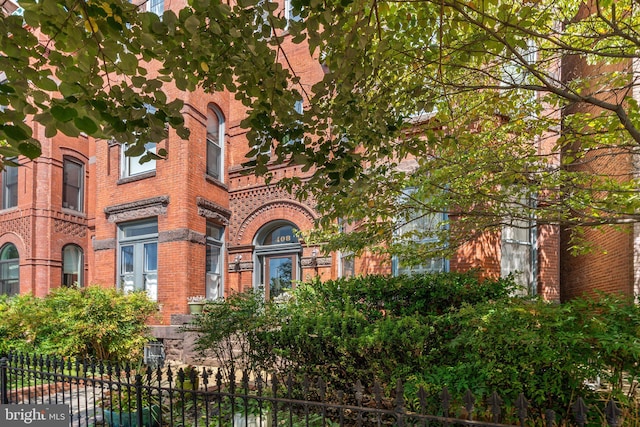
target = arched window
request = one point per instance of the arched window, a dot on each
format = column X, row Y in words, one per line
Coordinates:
column 215, row 143
column 72, row 266
column 9, row 270
column 278, row 258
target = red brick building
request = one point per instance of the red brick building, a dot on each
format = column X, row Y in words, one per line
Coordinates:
column 194, row 224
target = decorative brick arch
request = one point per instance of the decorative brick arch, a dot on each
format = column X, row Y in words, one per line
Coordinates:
column 288, row 210
column 20, row 227
column 10, row 237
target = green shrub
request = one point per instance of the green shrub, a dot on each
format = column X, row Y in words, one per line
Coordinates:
column 360, row 328
column 434, row 331
column 513, row 346
column 94, row 322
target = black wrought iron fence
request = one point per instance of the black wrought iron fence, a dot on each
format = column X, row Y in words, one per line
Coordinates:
column 102, row 393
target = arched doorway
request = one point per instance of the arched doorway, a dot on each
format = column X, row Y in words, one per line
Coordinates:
column 276, row 259
column 9, row 270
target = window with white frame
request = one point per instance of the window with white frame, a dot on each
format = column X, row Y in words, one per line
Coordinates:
column 72, row 185
column 131, row 165
column 9, row 270
column 518, row 252
column 214, row 260
column 9, row 178
column 138, row 256
column 215, row 143
column 72, row 266
column 422, row 227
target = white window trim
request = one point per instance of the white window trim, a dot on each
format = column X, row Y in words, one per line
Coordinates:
column 137, row 240
column 221, row 143
column 218, row 243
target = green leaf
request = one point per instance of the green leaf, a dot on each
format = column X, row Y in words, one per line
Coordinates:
column 48, row 84
column 86, row 124
column 31, row 150
column 15, row 132
column 63, row 114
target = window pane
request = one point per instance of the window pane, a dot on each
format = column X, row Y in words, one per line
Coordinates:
column 72, row 185
column 151, row 285
column 9, row 252
column 213, row 126
column 281, row 235
column 421, row 227
column 215, row 135
column 214, row 231
column 214, row 153
column 132, row 164
column 150, row 257
column 280, row 276
column 140, row 229
column 214, row 290
column 72, row 266
column 126, row 259
column 213, row 258
column 9, row 270
column 9, row 187
column 347, row 266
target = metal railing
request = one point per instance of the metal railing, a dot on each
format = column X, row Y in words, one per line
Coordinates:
column 102, row 393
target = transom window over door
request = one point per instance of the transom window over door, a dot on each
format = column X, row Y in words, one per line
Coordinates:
column 215, row 143
column 278, row 255
column 9, row 270
column 138, row 257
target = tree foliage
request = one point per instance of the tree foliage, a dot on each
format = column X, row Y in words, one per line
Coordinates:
column 500, row 110
column 496, row 112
